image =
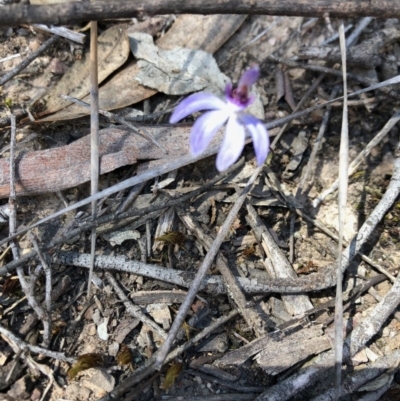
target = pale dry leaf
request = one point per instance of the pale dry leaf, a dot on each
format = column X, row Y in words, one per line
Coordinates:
column 118, row 237
column 102, row 329
column 122, row 90
column 113, row 51
column 175, row 72
column 161, row 314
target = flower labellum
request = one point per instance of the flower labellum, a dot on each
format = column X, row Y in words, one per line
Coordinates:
column 230, row 111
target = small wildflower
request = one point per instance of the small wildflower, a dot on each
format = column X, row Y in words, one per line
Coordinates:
column 231, row 111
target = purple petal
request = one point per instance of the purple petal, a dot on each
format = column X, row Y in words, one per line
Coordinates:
column 196, row 102
column 232, row 144
column 228, row 90
column 259, row 135
column 249, row 77
column 204, row 129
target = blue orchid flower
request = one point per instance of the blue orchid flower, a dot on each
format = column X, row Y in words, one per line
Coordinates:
column 239, row 123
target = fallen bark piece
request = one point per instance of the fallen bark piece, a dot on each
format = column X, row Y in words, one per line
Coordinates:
column 277, row 357
column 150, row 297
column 280, row 266
column 323, row 365
column 67, row 166
column 280, row 350
column 124, row 328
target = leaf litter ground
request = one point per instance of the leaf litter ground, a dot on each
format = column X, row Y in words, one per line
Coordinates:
column 119, row 343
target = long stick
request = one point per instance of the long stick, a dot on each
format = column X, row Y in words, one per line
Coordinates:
column 342, row 200
column 94, row 139
column 94, row 11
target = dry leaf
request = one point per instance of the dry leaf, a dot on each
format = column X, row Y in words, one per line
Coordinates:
column 122, row 90
column 197, row 306
column 118, row 237
column 10, row 285
column 175, row 72
column 173, row 372
column 165, row 224
column 124, row 356
column 113, row 51
column 85, row 362
column 187, row 329
column 249, row 251
column 172, row 237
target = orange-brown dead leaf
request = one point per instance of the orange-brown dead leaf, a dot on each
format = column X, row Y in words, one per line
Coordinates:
column 85, row 361
column 172, row 374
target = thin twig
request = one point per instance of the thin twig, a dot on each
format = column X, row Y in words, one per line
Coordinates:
column 63, row 32
column 342, row 201
column 252, row 41
column 310, row 90
column 310, row 165
column 26, row 286
column 133, row 195
column 307, row 176
column 212, row 284
column 219, row 397
column 15, row 71
column 33, row 348
column 380, row 269
column 12, row 200
column 94, row 141
column 113, row 117
column 49, row 286
column 293, row 63
column 10, row 57
column 134, row 310
column 362, row 24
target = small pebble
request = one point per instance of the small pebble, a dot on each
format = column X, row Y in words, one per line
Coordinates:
column 92, row 330
column 34, row 45
column 8, row 32
column 23, row 32
column 57, row 67
column 113, row 349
